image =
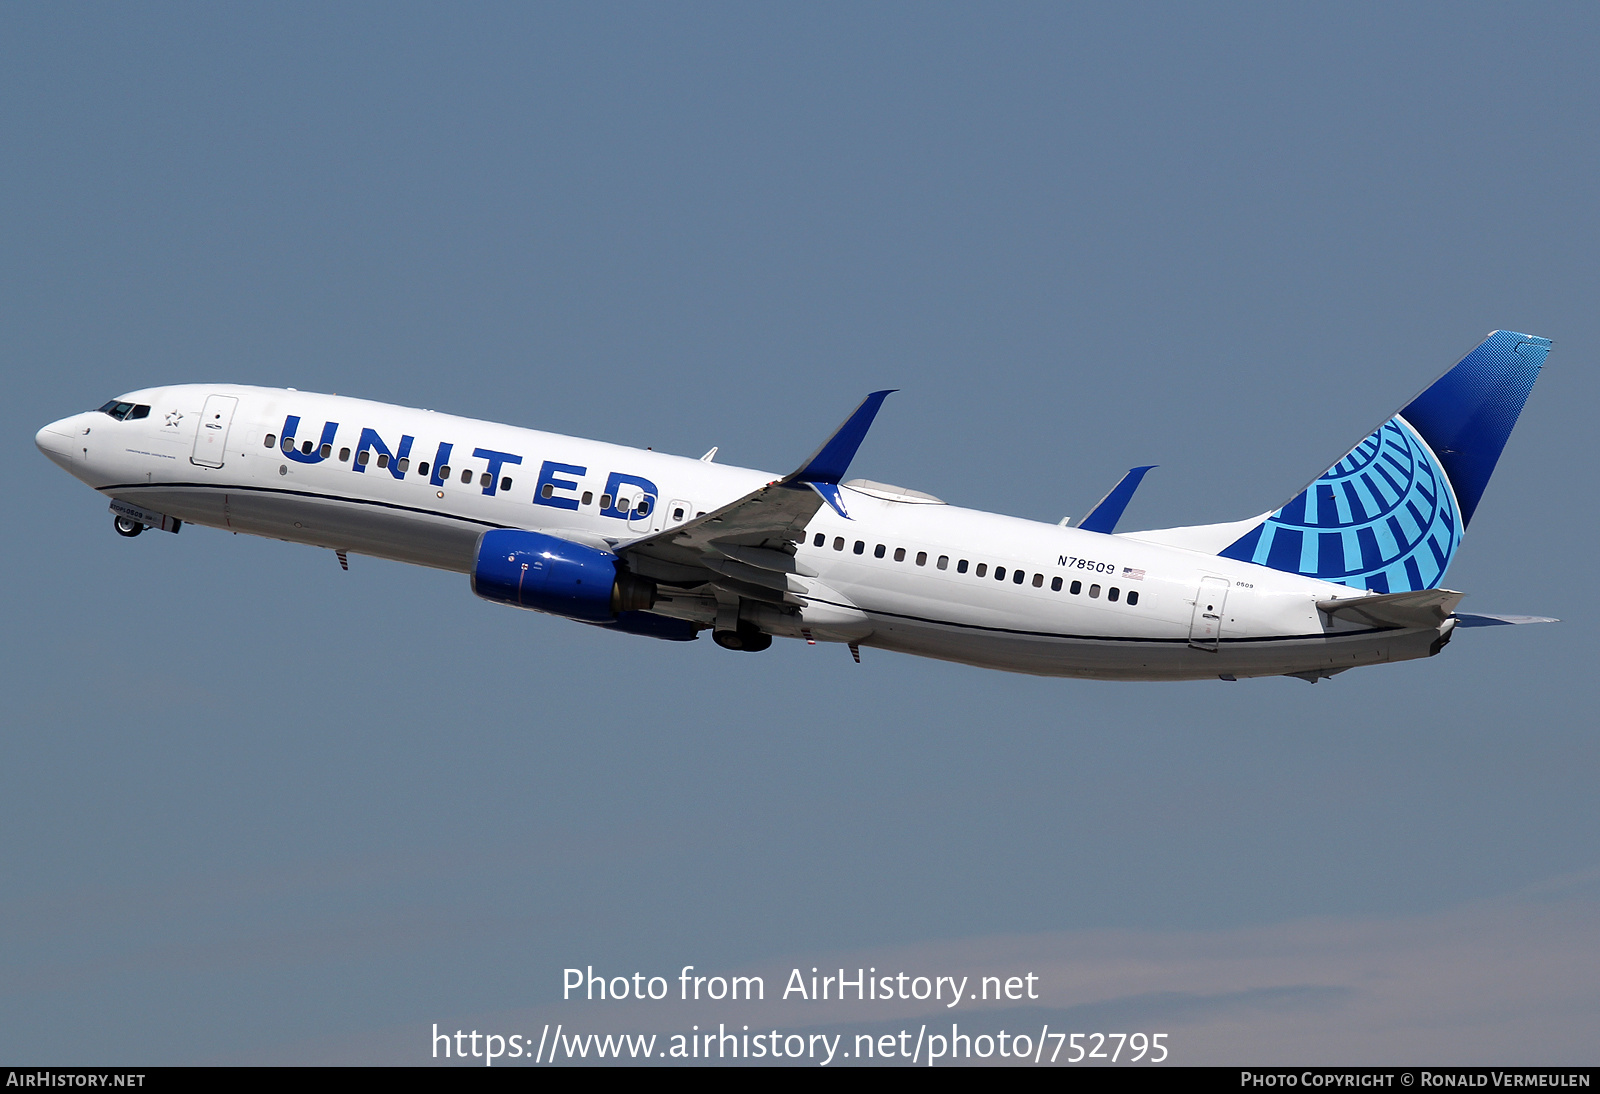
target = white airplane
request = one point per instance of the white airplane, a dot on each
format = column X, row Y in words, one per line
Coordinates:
column 1347, row 573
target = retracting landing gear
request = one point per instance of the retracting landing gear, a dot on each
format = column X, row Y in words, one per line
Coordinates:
column 127, row 526
column 746, row 638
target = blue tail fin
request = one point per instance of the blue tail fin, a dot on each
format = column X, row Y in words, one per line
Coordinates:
column 1389, row 516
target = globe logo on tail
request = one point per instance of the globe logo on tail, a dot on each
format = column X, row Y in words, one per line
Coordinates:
column 1383, row 518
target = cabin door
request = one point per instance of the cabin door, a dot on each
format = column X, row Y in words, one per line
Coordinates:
column 1205, row 626
column 211, row 439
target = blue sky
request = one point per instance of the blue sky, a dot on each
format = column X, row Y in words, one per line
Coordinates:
column 256, row 808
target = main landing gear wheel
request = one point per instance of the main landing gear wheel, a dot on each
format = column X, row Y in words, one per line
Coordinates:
column 747, row 639
column 127, row 526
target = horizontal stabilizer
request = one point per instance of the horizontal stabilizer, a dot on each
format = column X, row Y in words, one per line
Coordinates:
column 1104, row 516
column 1501, row 620
column 1426, row 608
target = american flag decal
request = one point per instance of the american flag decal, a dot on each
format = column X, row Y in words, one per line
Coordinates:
column 1130, row 574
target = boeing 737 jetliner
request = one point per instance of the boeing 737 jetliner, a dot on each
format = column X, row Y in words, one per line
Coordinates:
column 1347, row 573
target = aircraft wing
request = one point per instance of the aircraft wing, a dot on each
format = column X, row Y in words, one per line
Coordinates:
column 748, row 546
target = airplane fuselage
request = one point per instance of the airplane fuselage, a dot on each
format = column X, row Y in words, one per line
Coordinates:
column 931, row 579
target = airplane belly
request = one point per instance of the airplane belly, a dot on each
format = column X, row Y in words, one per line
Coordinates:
column 1134, row 659
column 361, row 528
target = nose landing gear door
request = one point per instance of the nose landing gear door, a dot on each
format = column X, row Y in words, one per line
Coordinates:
column 211, row 439
column 1205, row 627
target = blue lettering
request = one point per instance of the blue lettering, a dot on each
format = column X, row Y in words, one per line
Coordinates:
column 442, row 460
column 370, row 439
column 547, row 477
column 496, row 461
column 291, row 426
column 617, row 479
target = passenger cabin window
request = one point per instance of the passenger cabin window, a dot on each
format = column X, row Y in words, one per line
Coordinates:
column 325, row 451
column 644, row 508
column 344, row 455
column 272, row 439
column 383, row 459
column 1113, row 593
column 404, row 464
column 305, row 448
column 877, row 552
column 466, row 476
column 860, row 546
column 1094, row 591
column 838, row 543
column 677, row 514
column 605, row 501
column 1133, row 597
column 288, row 444
column 819, row 540
column 1055, row 584
column 944, row 562
column 444, row 472
column 1019, row 577
column 484, row 480
column 961, row 567
column 899, row 554
column 422, row 468
column 588, row 496
column 363, row 456
column 1077, row 587
column 1038, row 581
column 922, row 558
column 999, row 573
column 505, row 482
column 983, row 568
column 548, row 490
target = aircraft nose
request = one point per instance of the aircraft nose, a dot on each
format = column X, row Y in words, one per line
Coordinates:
column 56, row 441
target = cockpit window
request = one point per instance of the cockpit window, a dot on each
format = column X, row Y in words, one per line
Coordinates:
column 120, row 411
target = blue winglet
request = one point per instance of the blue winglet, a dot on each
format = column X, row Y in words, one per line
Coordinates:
column 829, row 463
column 830, row 494
column 1104, row 517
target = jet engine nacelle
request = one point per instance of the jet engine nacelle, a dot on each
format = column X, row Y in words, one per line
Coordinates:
column 549, row 574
